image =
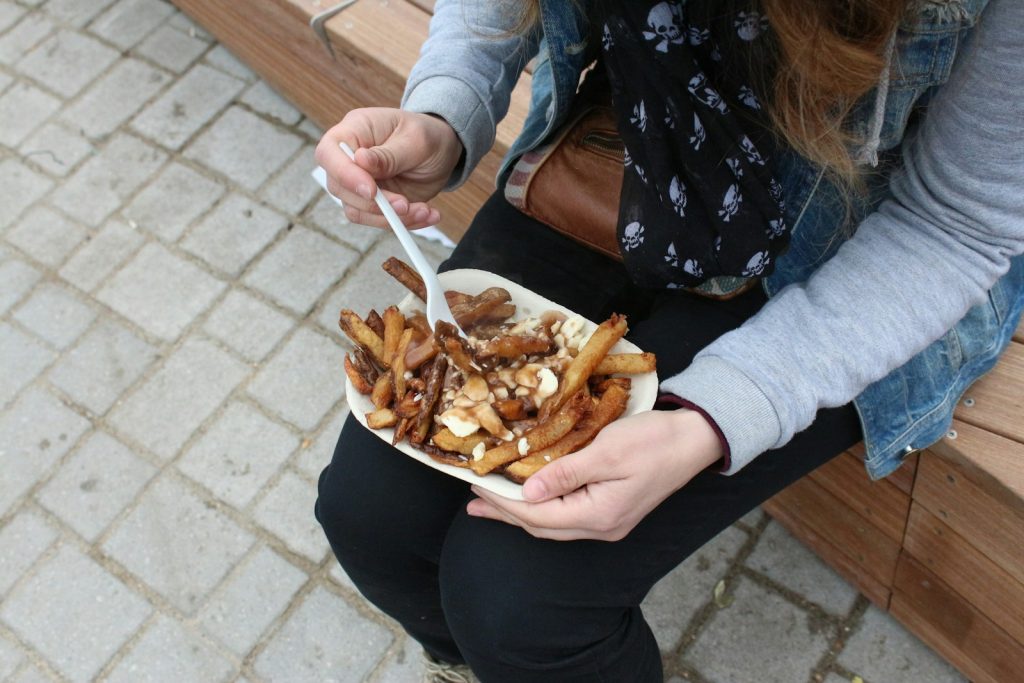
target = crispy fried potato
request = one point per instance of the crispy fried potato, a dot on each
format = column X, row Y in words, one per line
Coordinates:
column 543, row 435
column 360, row 333
column 418, row 322
column 358, row 381
column 609, row 408
column 383, row 391
column 420, row 352
column 398, row 369
column 511, row 409
column 470, row 312
column 431, row 394
column 443, row 456
column 381, row 418
column 622, row 382
column 582, row 366
column 375, row 322
column 407, row 275
column 394, row 324
column 400, row 429
column 626, row 364
column 458, row 444
column 511, row 346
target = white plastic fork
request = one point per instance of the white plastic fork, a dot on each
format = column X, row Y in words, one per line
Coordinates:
column 437, row 305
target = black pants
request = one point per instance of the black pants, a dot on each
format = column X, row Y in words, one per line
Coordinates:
column 514, row 607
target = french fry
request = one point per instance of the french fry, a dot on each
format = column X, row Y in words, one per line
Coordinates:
column 621, row 382
column 626, row 364
column 431, row 394
column 400, row 429
column 360, row 333
column 609, row 408
column 418, row 322
column 475, row 309
column 457, row 444
column 383, row 391
column 375, row 322
column 381, row 418
column 394, row 324
column 360, row 384
column 511, row 409
column 511, row 346
column 420, row 353
column 405, row 274
column 543, row 435
column 398, row 368
column 443, row 456
column 582, row 366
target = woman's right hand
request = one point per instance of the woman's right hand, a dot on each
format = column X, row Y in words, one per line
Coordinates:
column 410, row 155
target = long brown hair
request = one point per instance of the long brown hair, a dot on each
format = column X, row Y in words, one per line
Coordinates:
column 828, row 55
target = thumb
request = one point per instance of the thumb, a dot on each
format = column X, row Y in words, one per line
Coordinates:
column 559, row 478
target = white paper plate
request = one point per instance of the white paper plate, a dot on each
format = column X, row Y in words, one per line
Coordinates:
column 643, row 391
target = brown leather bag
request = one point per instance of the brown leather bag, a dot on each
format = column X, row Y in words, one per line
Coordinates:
column 573, row 184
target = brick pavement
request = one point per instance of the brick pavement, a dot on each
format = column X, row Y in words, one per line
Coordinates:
column 169, row 285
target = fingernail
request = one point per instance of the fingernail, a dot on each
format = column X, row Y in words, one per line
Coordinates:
column 364, row 191
column 534, row 489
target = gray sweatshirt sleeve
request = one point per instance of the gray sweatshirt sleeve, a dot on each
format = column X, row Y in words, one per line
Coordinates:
column 467, row 69
column 911, row 271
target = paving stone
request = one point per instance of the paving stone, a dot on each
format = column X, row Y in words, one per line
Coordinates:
column 759, row 637
column 238, row 454
column 10, row 658
column 317, row 455
column 160, row 291
column 172, row 201
column 256, row 594
column 107, row 360
column 752, row 518
column 55, row 314
column 311, row 129
column 5, row 81
column 24, row 358
column 18, row 277
column 327, row 215
column 287, row 512
column 19, row 40
column 20, row 187
column 91, row 489
column 172, row 48
column 55, row 610
column 67, row 61
column 56, row 149
column 783, row 559
column 368, row 286
column 244, row 147
column 264, row 99
column 187, row 106
column 75, row 12
column 172, row 403
column 247, row 325
column 882, row 650
column 293, row 187
column 405, row 665
column 46, row 235
column 168, row 651
column 325, row 639
column 177, row 544
column 10, row 13
column 105, row 181
column 299, row 268
column 22, row 109
column 338, row 575
column 675, row 599
column 836, row 678
column 30, row 673
column 105, row 250
column 129, row 21
column 222, row 58
column 22, row 541
column 34, row 434
column 303, row 381
column 115, row 97
column 234, row 233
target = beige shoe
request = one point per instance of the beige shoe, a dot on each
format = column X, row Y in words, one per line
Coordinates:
column 444, row 672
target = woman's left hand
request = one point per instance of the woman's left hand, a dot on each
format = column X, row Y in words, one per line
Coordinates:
column 602, row 491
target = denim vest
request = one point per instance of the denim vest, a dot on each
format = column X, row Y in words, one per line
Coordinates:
column 912, row 407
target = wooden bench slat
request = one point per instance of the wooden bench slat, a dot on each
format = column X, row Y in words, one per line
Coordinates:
column 827, row 517
column 990, row 526
column 880, row 502
column 937, row 614
column 999, row 397
column 994, row 462
column 1019, row 334
column 980, row 581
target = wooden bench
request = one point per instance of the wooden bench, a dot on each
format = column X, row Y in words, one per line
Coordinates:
column 940, row 544
column 373, row 46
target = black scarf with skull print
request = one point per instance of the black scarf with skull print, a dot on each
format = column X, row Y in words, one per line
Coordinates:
column 698, row 196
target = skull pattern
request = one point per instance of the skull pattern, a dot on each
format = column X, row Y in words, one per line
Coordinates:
column 639, row 117
column 677, row 193
column 705, row 93
column 757, row 263
column 664, row 26
column 699, row 134
column 749, row 25
column 632, row 236
column 670, row 255
column 730, row 203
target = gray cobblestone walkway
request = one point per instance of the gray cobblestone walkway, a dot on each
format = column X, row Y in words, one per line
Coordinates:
column 170, row 389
